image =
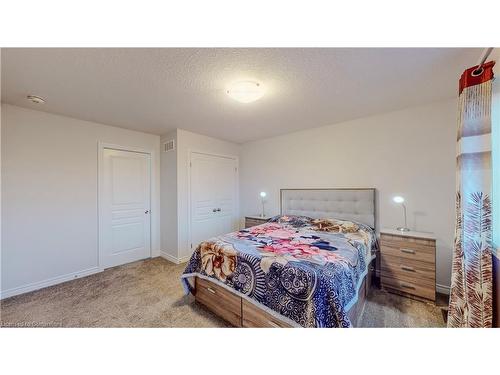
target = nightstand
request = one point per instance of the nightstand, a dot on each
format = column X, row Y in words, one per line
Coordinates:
column 408, row 263
column 251, row 221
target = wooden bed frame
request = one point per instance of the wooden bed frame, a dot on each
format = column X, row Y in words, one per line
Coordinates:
column 240, row 312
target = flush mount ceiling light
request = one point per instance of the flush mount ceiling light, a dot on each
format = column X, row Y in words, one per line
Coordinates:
column 245, row 91
column 35, row 99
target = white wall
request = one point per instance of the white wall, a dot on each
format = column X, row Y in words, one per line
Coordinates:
column 495, row 56
column 409, row 153
column 168, row 193
column 1, row 104
column 186, row 143
column 49, row 195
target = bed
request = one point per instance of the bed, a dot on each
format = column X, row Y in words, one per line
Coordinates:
column 307, row 267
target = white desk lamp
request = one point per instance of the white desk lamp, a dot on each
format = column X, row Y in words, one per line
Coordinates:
column 401, row 201
column 263, row 199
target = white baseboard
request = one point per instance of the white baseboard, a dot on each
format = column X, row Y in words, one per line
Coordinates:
column 169, row 257
column 173, row 259
column 48, row 282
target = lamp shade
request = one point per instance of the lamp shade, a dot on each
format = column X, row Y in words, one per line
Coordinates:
column 398, row 199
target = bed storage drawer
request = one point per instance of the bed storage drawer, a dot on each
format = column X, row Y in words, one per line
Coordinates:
column 222, row 302
column 253, row 317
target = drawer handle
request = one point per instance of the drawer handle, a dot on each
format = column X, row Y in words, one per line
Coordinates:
column 407, row 286
column 408, row 251
column 406, row 268
column 272, row 324
column 211, row 290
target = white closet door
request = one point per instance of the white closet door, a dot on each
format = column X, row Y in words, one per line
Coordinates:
column 125, row 207
column 213, row 196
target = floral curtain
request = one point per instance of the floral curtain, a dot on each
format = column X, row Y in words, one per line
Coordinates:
column 471, row 285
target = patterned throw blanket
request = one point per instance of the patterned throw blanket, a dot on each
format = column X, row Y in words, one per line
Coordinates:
column 307, row 272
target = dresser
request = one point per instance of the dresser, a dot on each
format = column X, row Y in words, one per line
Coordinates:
column 251, row 221
column 408, row 263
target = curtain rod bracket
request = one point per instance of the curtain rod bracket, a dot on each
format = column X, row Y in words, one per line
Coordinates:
column 479, row 70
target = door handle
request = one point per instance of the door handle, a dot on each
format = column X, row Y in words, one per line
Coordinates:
column 146, row 212
column 214, row 210
column 218, row 210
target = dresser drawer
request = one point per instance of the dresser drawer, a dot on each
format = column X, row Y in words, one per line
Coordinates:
column 407, row 269
column 416, row 288
column 408, row 250
column 219, row 300
column 250, row 222
column 408, row 240
column 253, row 317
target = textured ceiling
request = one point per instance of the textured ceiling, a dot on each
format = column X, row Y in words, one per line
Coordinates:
column 157, row 90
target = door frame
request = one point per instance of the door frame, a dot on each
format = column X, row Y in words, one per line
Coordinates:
column 100, row 174
column 236, row 188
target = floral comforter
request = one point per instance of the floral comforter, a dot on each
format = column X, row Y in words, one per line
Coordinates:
column 304, row 271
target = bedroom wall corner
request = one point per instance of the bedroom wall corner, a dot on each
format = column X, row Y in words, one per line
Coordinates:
column 176, row 246
column 168, row 206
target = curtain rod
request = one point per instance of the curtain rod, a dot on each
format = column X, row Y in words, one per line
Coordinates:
column 482, row 60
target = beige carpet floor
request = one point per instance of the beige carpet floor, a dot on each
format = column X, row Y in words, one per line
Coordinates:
column 149, row 294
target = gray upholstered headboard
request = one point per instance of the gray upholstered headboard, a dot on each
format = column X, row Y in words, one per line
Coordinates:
column 349, row 204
